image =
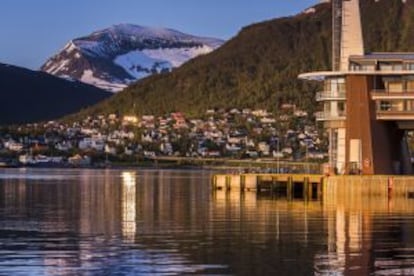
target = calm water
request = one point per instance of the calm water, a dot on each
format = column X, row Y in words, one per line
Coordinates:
column 146, row 222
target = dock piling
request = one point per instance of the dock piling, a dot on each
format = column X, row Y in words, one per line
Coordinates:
column 275, row 184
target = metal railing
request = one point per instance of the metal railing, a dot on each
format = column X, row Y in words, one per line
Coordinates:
column 330, row 95
column 362, row 69
column 396, row 108
column 381, row 69
column 378, row 94
column 329, row 116
column 391, row 115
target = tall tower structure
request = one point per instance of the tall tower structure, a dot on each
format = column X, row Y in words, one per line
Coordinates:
column 336, row 34
column 347, row 36
column 351, row 32
column 367, row 99
column 346, row 41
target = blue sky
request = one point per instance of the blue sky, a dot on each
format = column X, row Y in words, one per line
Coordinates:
column 33, row 30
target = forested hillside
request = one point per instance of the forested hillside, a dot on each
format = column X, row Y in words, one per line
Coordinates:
column 258, row 68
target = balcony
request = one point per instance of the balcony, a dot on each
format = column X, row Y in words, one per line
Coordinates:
column 394, row 95
column 394, row 105
column 395, row 109
column 330, row 96
column 330, row 116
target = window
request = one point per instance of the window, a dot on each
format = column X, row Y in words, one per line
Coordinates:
column 327, row 107
column 410, row 86
column 368, row 68
column 355, row 67
column 409, row 66
column 385, row 67
column 397, row 67
column 410, row 105
column 384, row 106
column 388, row 66
column 395, row 86
column 335, row 86
column 398, row 106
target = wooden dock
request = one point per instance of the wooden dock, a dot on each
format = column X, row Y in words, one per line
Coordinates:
column 307, row 186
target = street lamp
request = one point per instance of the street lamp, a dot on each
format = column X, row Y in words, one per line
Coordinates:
column 307, row 143
column 277, row 156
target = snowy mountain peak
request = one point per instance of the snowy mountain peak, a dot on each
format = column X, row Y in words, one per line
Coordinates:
column 149, row 32
column 114, row 57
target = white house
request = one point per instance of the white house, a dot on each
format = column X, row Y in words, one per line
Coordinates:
column 267, row 120
column 232, row 147
column 91, row 143
column 166, row 148
column 109, row 149
column 13, row 146
column 264, row 148
column 130, row 120
column 64, row 146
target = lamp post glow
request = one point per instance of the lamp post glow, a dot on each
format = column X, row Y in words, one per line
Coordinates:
column 277, row 156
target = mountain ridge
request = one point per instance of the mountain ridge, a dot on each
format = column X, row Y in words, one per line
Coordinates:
column 114, row 57
column 29, row 96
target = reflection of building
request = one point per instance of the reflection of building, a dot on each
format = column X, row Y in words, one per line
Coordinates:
column 368, row 100
column 129, row 208
column 100, row 205
column 361, row 226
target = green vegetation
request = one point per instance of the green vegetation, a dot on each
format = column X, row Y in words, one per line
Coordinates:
column 258, row 68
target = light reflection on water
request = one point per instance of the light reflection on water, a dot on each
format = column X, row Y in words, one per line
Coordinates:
column 171, row 223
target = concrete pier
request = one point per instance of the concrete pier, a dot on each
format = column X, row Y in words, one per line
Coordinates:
column 309, row 187
column 291, row 185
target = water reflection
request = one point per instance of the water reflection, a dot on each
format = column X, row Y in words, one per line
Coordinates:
column 365, row 231
column 94, row 222
column 129, row 206
column 170, row 222
column 360, row 233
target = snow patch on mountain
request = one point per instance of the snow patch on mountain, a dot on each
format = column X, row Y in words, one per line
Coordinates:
column 55, row 68
column 140, row 65
column 310, row 10
column 92, row 48
column 178, row 56
column 70, row 47
column 88, row 77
